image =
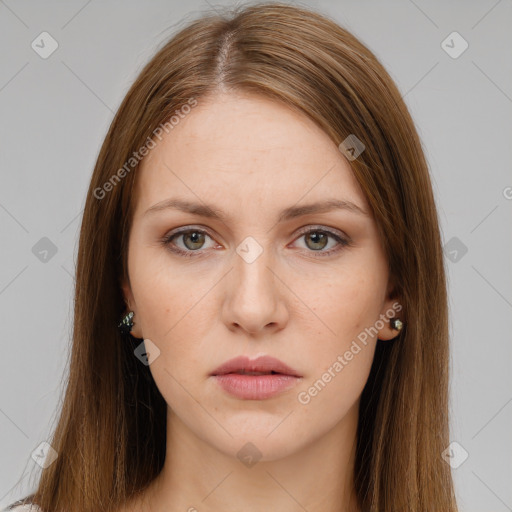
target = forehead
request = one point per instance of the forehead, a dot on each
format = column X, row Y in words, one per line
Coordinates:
column 245, row 148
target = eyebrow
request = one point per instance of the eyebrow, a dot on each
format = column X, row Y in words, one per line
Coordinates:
column 211, row 211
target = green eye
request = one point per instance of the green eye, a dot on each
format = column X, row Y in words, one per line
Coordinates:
column 193, row 241
column 317, row 239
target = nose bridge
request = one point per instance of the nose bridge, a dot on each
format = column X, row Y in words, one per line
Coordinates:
column 254, row 300
column 252, row 266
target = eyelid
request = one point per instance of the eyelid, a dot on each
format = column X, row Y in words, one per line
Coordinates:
column 320, row 227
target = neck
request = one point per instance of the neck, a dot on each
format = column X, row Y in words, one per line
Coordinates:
column 198, row 477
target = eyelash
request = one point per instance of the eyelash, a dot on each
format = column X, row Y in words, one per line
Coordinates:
column 166, row 241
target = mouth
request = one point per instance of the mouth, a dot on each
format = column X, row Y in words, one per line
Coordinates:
column 259, row 379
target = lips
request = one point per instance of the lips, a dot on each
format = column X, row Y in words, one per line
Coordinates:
column 264, row 365
column 258, row 379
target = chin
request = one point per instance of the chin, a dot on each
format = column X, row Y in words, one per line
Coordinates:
column 254, row 445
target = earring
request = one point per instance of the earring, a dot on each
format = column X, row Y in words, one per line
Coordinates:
column 126, row 324
column 396, row 324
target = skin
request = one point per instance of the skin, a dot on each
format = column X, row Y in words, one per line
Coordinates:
column 252, row 158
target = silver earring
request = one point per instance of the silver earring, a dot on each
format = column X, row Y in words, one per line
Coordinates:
column 396, row 324
column 126, row 324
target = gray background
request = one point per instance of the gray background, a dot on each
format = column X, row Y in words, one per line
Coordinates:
column 56, row 111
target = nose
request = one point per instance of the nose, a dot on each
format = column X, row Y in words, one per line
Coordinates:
column 255, row 295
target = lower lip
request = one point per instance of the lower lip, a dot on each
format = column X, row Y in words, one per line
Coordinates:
column 255, row 387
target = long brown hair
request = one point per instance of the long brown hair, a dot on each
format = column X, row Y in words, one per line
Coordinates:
column 111, row 433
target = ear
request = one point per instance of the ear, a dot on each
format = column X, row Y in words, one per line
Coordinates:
column 392, row 307
column 127, row 294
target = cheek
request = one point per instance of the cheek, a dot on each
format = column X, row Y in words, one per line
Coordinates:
column 340, row 342
column 174, row 314
column 169, row 298
column 347, row 302
column 340, row 347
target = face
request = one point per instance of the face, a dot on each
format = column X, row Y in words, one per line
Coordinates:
column 301, row 288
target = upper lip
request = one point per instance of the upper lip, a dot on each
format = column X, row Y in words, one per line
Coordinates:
column 261, row 364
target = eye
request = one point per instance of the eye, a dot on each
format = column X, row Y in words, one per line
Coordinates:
column 317, row 239
column 192, row 240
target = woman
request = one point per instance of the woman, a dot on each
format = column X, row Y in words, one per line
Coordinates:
column 261, row 219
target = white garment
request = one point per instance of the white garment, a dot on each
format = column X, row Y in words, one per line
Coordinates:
column 23, row 508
